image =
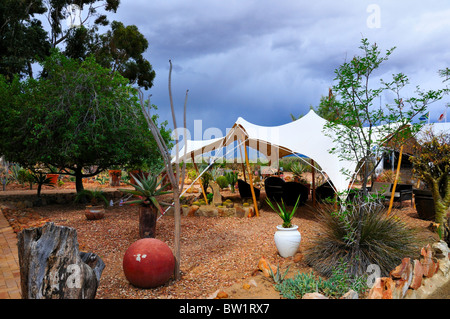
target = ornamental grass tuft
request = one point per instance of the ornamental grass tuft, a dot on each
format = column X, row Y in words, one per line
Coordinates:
column 360, row 234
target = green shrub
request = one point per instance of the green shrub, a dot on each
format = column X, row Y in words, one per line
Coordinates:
column 222, row 181
column 339, row 283
column 360, row 235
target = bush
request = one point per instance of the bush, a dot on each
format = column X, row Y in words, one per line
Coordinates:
column 222, row 181
column 360, row 235
column 339, row 283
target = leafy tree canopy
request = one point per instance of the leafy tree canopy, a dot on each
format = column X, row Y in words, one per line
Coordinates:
column 79, row 116
column 431, row 163
column 24, row 41
column 363, row 126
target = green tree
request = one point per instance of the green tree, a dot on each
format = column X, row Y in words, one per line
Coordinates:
column 23, row 40
column 363, row 126
column 120, row 49
column 431, row 163
column 78, row 117
column 362, row 129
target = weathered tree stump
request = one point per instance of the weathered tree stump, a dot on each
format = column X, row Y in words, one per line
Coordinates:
column 51, row 266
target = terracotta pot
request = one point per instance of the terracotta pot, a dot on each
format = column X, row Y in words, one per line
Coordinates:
column 94, row 212
column 53, row 178
column 136, row 173
column 115, row 175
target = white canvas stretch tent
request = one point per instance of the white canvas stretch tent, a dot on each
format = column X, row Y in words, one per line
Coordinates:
column 304, row 136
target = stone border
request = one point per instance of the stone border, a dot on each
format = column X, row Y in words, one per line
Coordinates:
column 23, row 201
column 417, row 279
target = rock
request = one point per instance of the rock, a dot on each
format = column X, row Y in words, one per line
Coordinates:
column 213, row 295
column 429, row 265
column 193, row 209
column 185, row 210
column 403, row 270
column 228, row 204
column 263, row 265
column 403, row 274
column 298, row 257
column 351, row 294
column 382, row 288
column 441, row 249
column 399, row 289
column 207, row 211
column 314, row 295
column 250, row 212
column 240, row 211
column 221, row 295
column 217, row 198
column 417, row 275
column 246, row 286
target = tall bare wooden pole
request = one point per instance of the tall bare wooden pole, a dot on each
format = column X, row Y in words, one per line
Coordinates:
column 251, row 181
column 391, row 202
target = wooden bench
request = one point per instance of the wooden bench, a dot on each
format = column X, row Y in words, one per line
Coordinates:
column 402, row 191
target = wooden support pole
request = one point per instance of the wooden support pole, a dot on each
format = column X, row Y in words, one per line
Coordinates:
column 391, row 202
column 201, row 184
column 251, row 182
column 242, row 162
column 313, row 171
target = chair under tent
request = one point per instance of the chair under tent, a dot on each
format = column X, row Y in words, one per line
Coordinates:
column 276, row 142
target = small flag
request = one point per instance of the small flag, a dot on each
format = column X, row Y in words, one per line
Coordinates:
column 441, row 118
column 425, row 116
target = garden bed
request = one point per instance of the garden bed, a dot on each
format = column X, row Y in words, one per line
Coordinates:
column 217, row 253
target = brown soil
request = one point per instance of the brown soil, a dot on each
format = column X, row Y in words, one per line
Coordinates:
column 217, row 254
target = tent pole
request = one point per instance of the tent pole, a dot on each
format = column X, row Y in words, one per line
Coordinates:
column 201, row 184
column 242, row 162
column 396, row 180
column 313, row 171
column 251, row 181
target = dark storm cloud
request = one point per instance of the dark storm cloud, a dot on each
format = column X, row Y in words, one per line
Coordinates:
column 263, row 60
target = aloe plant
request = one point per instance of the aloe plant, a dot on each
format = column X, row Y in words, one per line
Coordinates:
column 285, row 215
column 146, row 188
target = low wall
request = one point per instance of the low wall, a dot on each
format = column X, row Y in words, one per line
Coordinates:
column 29, row 200
column 416, row 279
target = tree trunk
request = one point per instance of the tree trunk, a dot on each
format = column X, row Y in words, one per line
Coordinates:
column 147, row 221
column 79, row 180
column 51, row 267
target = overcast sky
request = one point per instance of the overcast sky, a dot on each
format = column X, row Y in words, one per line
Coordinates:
column 263, row 60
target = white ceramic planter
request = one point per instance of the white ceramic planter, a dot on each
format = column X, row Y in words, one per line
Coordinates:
column 287, row 240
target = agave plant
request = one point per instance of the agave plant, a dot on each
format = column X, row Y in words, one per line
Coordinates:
column 147, row 188
column 285, row 215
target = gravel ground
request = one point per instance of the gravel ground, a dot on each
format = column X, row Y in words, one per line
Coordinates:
column 217, row 253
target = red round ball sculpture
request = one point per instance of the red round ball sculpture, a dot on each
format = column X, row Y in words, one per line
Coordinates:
column 148, row 263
